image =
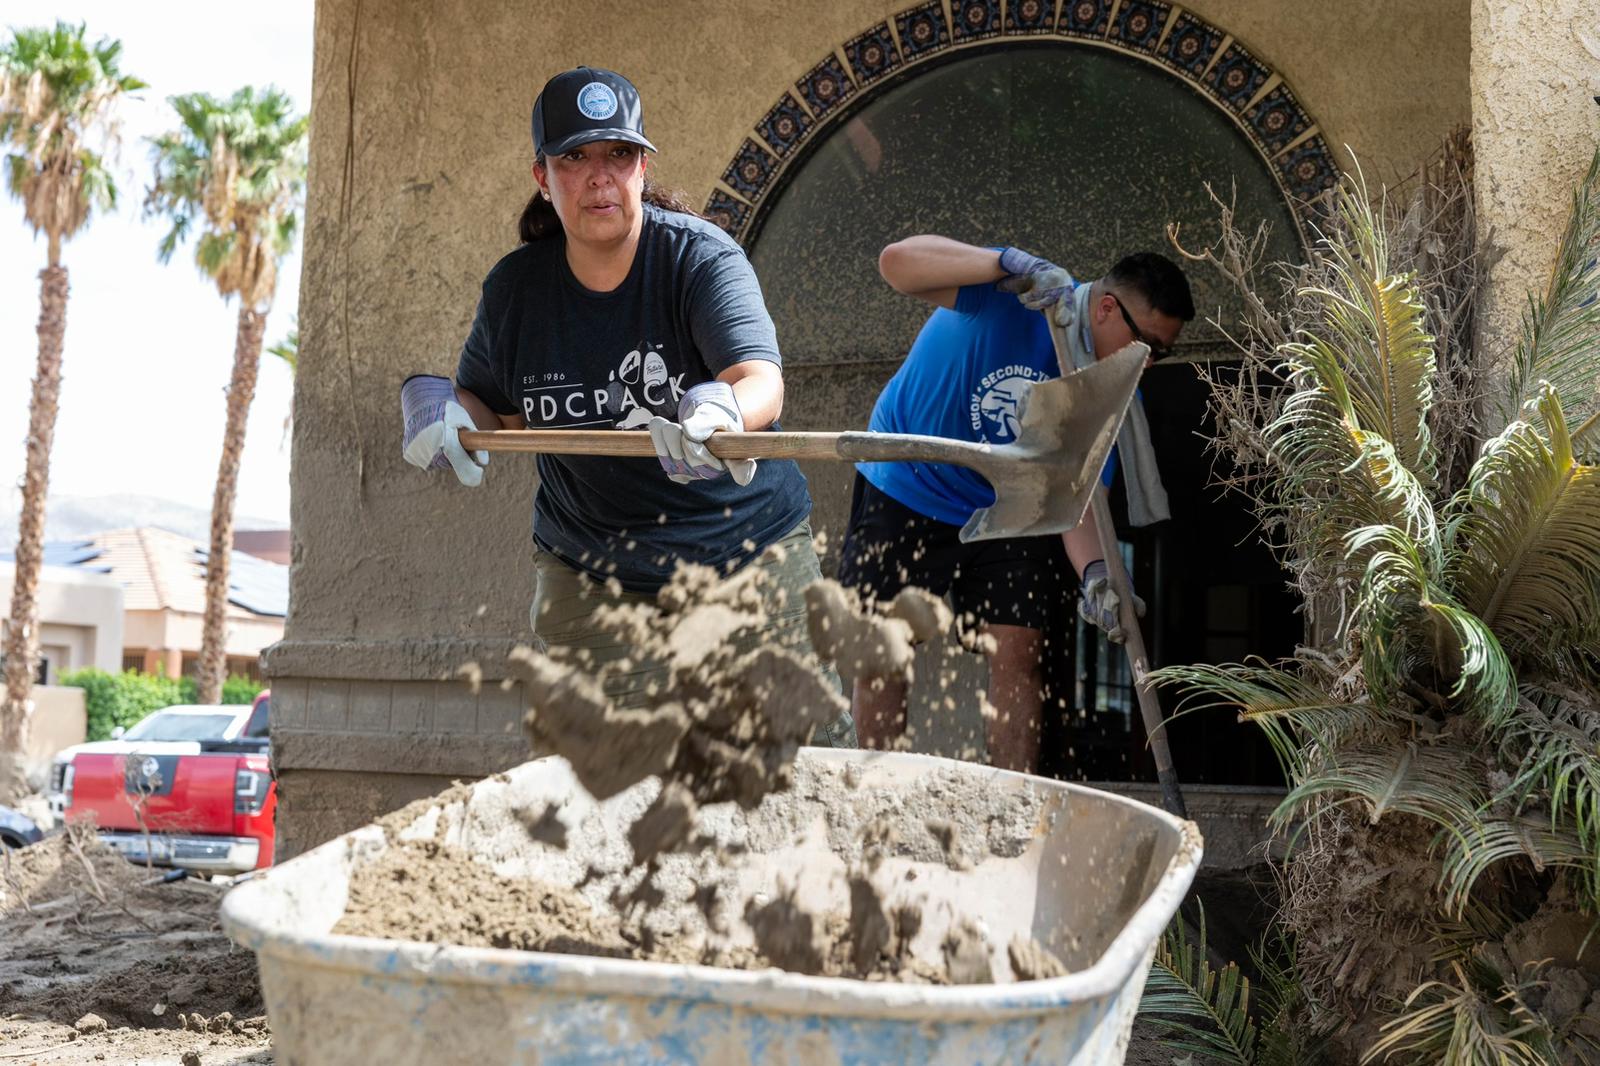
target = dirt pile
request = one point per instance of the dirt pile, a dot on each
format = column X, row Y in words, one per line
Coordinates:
column 836, row 875
column 84, row 932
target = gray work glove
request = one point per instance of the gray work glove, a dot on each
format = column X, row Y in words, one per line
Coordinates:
column 1038, row 284
column 1098, row 602
column 680, row 446
column 432, row 420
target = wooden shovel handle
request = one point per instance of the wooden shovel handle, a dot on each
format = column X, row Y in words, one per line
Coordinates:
column 845, row 447
column 723, row 444
column 1138, row 658
column 1133, row 642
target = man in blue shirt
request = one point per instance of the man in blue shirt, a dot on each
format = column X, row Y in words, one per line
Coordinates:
column 978, row 353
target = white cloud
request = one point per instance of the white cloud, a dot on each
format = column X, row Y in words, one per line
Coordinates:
column 149, row 349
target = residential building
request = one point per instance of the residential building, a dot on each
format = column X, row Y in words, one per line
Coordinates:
column 159, row 577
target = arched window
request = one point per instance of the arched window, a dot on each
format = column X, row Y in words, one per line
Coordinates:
column 1077, row 153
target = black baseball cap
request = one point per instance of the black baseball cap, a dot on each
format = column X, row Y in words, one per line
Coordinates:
column 583, row 105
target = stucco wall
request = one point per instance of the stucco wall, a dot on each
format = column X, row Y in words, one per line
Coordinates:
column 1535, row 76
column 60, row 720
column 80, row 617
column 419, row 167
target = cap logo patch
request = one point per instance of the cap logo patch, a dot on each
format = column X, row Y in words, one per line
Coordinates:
column 597, row 101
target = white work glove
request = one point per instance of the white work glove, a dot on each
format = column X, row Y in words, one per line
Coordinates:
column 1098, row 602
column 704, row 409
column 1038, row 284
column 432, row 420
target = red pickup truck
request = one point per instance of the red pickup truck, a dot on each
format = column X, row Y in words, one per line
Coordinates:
column 209, row 811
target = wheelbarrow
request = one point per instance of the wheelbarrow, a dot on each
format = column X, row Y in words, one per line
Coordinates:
column 1093, row 877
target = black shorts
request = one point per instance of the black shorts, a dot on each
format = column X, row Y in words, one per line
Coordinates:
column 1020, row 581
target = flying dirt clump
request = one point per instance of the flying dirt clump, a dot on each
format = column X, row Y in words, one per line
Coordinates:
column 725, row 726
column 867, row 644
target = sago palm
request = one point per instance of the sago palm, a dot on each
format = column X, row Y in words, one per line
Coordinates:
column 233, row 175
column 58, row 95
column 1442, row 741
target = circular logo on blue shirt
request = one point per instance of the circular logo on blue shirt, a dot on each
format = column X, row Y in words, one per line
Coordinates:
column 597, row 101
column 996, row 405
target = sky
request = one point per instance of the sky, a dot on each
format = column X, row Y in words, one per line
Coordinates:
column 149, row 348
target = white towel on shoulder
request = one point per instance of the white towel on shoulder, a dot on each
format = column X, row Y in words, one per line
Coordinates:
column 1147, row 497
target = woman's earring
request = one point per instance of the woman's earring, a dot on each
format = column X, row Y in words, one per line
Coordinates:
column 545, row 193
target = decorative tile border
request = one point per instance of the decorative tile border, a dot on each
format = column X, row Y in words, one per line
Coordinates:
column 872, row 54
column 922, row 30
column 750, row 171
column 826, row 86
column 1278, row 119
column 729, row 213
column 974, row 20
column 1237, row 77
column 785, row 125
column 1084, row 18
column 1181, row 42
column 1030, row 16
column 1308, row 171
column 1190, row 45
column 1139, row 24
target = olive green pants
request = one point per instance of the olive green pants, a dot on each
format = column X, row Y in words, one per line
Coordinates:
column 565, row 600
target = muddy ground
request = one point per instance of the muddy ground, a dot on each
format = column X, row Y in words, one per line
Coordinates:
column 100, row 965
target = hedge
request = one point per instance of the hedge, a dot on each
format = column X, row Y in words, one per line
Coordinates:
column 123, row 699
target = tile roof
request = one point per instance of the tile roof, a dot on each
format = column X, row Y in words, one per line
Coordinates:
column 161, row 570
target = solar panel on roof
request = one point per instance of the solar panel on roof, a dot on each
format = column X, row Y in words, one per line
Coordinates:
column 65, row 553
column 255, row 584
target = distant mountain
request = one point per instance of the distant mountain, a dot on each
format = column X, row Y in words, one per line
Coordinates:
column 68, row 517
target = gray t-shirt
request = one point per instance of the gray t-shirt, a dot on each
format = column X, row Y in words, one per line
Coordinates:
column 564, row 357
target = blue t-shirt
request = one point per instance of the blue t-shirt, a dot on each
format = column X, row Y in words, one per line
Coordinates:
column 962, row 379
column 564, row 357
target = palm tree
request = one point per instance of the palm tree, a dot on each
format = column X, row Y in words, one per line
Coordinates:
column 288, row 350
column 234, row 170
column 57, row 98
column 1442, row 743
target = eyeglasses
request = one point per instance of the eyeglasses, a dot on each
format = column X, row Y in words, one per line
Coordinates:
column 1157, row 349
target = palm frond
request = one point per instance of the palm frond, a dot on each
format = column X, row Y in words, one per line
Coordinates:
column 1462, row 1023
column 1373, row 318
column 1285, row 1038
column 1525, row 538
column 1493, row 841
column 1405, row 614
column 1198, row 1009
column 58, row 97
column 1293, row 712
column 1551, row 749
column 237, row 167
column 1561, row 331
column 1332, row 476
column 288, row 349
column 1433, row 781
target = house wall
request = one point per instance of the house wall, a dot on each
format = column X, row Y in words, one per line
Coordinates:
column 80, row 618
column 164, row 640
column 1535, row 77
column 419, row 167
column 60, row 720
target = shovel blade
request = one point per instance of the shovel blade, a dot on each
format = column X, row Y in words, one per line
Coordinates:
column 1043, row 481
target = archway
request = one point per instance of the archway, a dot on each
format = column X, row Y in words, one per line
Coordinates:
column 1082, row 147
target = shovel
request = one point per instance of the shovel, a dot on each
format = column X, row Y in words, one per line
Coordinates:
column 1133, row 640
column 1042, row 481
